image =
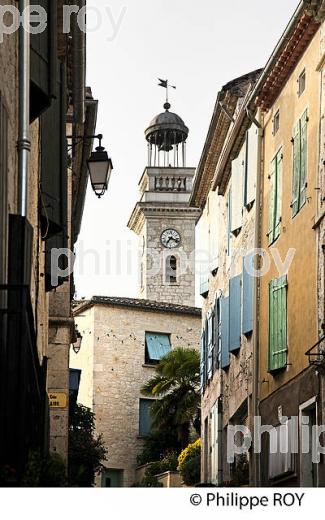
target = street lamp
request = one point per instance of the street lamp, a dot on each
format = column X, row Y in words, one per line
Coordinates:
column 100, row 167
column 77, row 344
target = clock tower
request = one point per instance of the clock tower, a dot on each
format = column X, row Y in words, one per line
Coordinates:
column 163, row 218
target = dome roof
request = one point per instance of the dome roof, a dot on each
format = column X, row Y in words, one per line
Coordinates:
column 167, row 126
column 167, row 118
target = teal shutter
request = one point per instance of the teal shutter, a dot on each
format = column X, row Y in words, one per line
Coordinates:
column 272, row 200
column 303, row 160
column 229, row 203
column 210, row 325
column 248, row 296
column 278, row 195
column 234, row 313
column 225, row 355
column 145, row 420
column 216, row 360
column 157, row 345
column 278, row 323
column 296, row 170
column 204, row 351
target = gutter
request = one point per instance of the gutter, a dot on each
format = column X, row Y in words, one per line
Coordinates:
column 78, row 68
column 80, row 193
column 272, row 60
column 23, row 142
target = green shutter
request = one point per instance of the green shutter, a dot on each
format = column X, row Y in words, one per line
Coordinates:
column 278, row 323
column 296, row 170
column 278, row 195
column 272, row 200
column 303, row 160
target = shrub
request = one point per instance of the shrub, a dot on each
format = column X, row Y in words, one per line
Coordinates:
column 189, row 463
column 157, row 445
column 44, row 471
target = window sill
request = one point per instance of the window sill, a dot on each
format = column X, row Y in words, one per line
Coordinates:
column 149, row 365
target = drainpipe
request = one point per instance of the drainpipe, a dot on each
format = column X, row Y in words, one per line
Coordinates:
column 256, row 305
column 23, row 143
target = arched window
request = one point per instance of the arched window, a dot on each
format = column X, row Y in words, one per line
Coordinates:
column 171, row 269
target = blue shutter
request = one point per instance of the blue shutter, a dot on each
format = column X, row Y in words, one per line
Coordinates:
column 158, row 345
column 234, row 313
column 145, row 419
column 204, row 358
column 225, row 356
column 248, row 296
column 216, row 360
column 210, row 345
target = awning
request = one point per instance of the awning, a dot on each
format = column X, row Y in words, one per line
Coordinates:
column 158, row 345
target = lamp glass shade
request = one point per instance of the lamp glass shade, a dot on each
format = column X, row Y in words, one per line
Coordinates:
column 100, row 169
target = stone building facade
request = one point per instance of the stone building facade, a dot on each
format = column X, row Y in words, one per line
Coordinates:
column 225, row 189
column 36, row 323
column 114, row 366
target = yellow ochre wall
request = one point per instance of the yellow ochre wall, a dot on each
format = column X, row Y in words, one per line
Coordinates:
column 296, row 232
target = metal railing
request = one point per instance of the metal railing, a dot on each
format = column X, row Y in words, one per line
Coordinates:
column 316, row 354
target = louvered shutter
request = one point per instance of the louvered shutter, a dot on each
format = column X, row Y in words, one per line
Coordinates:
column 272, row 200
column 237, row 174
column 278, row 323
column 234, row 313
column 216, row 361
column 278, row 195
column 296, row 169
column 43, row 62
column 248, row 296
column 225, row 356
column 251, row 165
column 210, row 334
column 54, row 180
column 303, row 160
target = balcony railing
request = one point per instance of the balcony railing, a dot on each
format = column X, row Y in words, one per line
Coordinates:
column 22, row 381
column 168, row 183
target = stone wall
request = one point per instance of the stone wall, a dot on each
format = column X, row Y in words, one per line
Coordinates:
column 113, row 355
column 234, row 384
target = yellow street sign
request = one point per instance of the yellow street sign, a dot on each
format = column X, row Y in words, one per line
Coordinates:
column 57, row 400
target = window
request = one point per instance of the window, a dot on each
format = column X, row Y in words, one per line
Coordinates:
column 299, row 181
column 157, row 346
column 282, row 440
column 276, row 122
column 302, row 83
column 171, row 269
column 278, row 323
column 145, row 419
column 275, row 197
column 237, row 181
column 251, row 166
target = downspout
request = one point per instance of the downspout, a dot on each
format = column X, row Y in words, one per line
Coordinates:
column 256, row 299
column 23, row 143
column 79, row 66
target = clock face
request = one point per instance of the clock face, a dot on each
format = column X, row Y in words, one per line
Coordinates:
column 170, row 238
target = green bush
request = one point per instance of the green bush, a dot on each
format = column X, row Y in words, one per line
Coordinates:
column 44, row 471
column 157, row 445
column 191, row 471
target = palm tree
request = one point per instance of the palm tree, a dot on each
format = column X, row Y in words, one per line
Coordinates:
column 176, row 387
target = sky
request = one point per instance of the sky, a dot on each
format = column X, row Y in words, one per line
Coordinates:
column 199, row 46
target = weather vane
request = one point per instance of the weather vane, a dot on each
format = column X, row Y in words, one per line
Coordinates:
column 165, row 84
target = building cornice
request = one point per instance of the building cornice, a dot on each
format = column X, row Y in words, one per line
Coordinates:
column 144, row 210
column 135, row 303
